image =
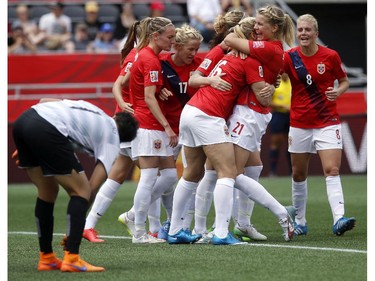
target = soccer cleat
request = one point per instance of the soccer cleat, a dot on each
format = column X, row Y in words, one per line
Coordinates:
column 48, row 262
column 292, row 212
column 343, row 225
column 206, row 238
column 146, row 239
column 227, row 240
column 183, row 237
column 300, row 229
column 163, row 232
column 124, row 219
column 73, row 263
column 248, row 232
column 91, row 235
column 287, row 225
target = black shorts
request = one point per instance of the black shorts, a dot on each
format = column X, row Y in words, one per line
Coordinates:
column 279, row 123
column 39, row 143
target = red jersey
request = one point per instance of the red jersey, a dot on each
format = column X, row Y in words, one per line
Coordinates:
column 176, row 81
column 145, row 71
column 239, row 73
column 309, row 106
column 271, row 55
column 210, row 60
column 127, row 64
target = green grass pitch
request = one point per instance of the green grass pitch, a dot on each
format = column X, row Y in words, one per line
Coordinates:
column 318, row 256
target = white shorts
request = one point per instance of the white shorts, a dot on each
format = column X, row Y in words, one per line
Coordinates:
column 198, row 129
column 247, row 127
column 151, row 143
column 311, row 140
column 126, row 149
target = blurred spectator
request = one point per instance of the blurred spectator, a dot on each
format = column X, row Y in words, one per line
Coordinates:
column 18, row 42
column 242, row 5
column 104, row 42
column 156, row 9
column 30, row 27
column 92, row 19
column 202, row 15
column 124, row 21
column 56, row 27
column 80, row 40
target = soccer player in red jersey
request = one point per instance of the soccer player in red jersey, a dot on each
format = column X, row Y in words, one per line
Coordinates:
column 250, row 117
column 124, row 162
column 201, row 77
column 314, row 121
column 177, row 68
column 204, row 133
column 155, row 140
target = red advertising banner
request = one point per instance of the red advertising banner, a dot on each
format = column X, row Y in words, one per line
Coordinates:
column 91, row 76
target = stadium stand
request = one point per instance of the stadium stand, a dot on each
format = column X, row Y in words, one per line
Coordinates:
column 141, row 11
column 37, row 11
column 176, row 14
column 12, row 15
column 75, row 12
column 108, row 13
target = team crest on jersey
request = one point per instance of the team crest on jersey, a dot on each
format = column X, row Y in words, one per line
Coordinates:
column 154, row 76
column 260, row 69
column 157, row 144
column 128, row 66
column 258, row 44
column 321, row 68
column 226, row 131
column 205, row 63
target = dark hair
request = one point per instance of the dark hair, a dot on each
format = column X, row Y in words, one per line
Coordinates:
column 131, row 40
column 127, row 126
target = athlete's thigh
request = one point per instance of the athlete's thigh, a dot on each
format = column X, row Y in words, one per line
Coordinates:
column 241, row 156
column 194, row 159
column 121, row 168
column 146, row 162
column 222, row 158
column 167, row 162
column 254, row 159
column 300, row 165
column 75, row 184
column 331, row 161
column 48, row 188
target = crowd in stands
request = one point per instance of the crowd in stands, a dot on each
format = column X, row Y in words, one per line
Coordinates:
column 81, row 28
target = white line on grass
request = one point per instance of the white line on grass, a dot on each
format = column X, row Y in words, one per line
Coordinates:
column 250, row 244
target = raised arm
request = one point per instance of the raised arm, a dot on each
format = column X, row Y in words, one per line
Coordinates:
column 233, row 42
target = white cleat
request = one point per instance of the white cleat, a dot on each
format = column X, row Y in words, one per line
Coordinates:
column 248, row 231
column 124, row 219
column 288, row 227
column 146, row 239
